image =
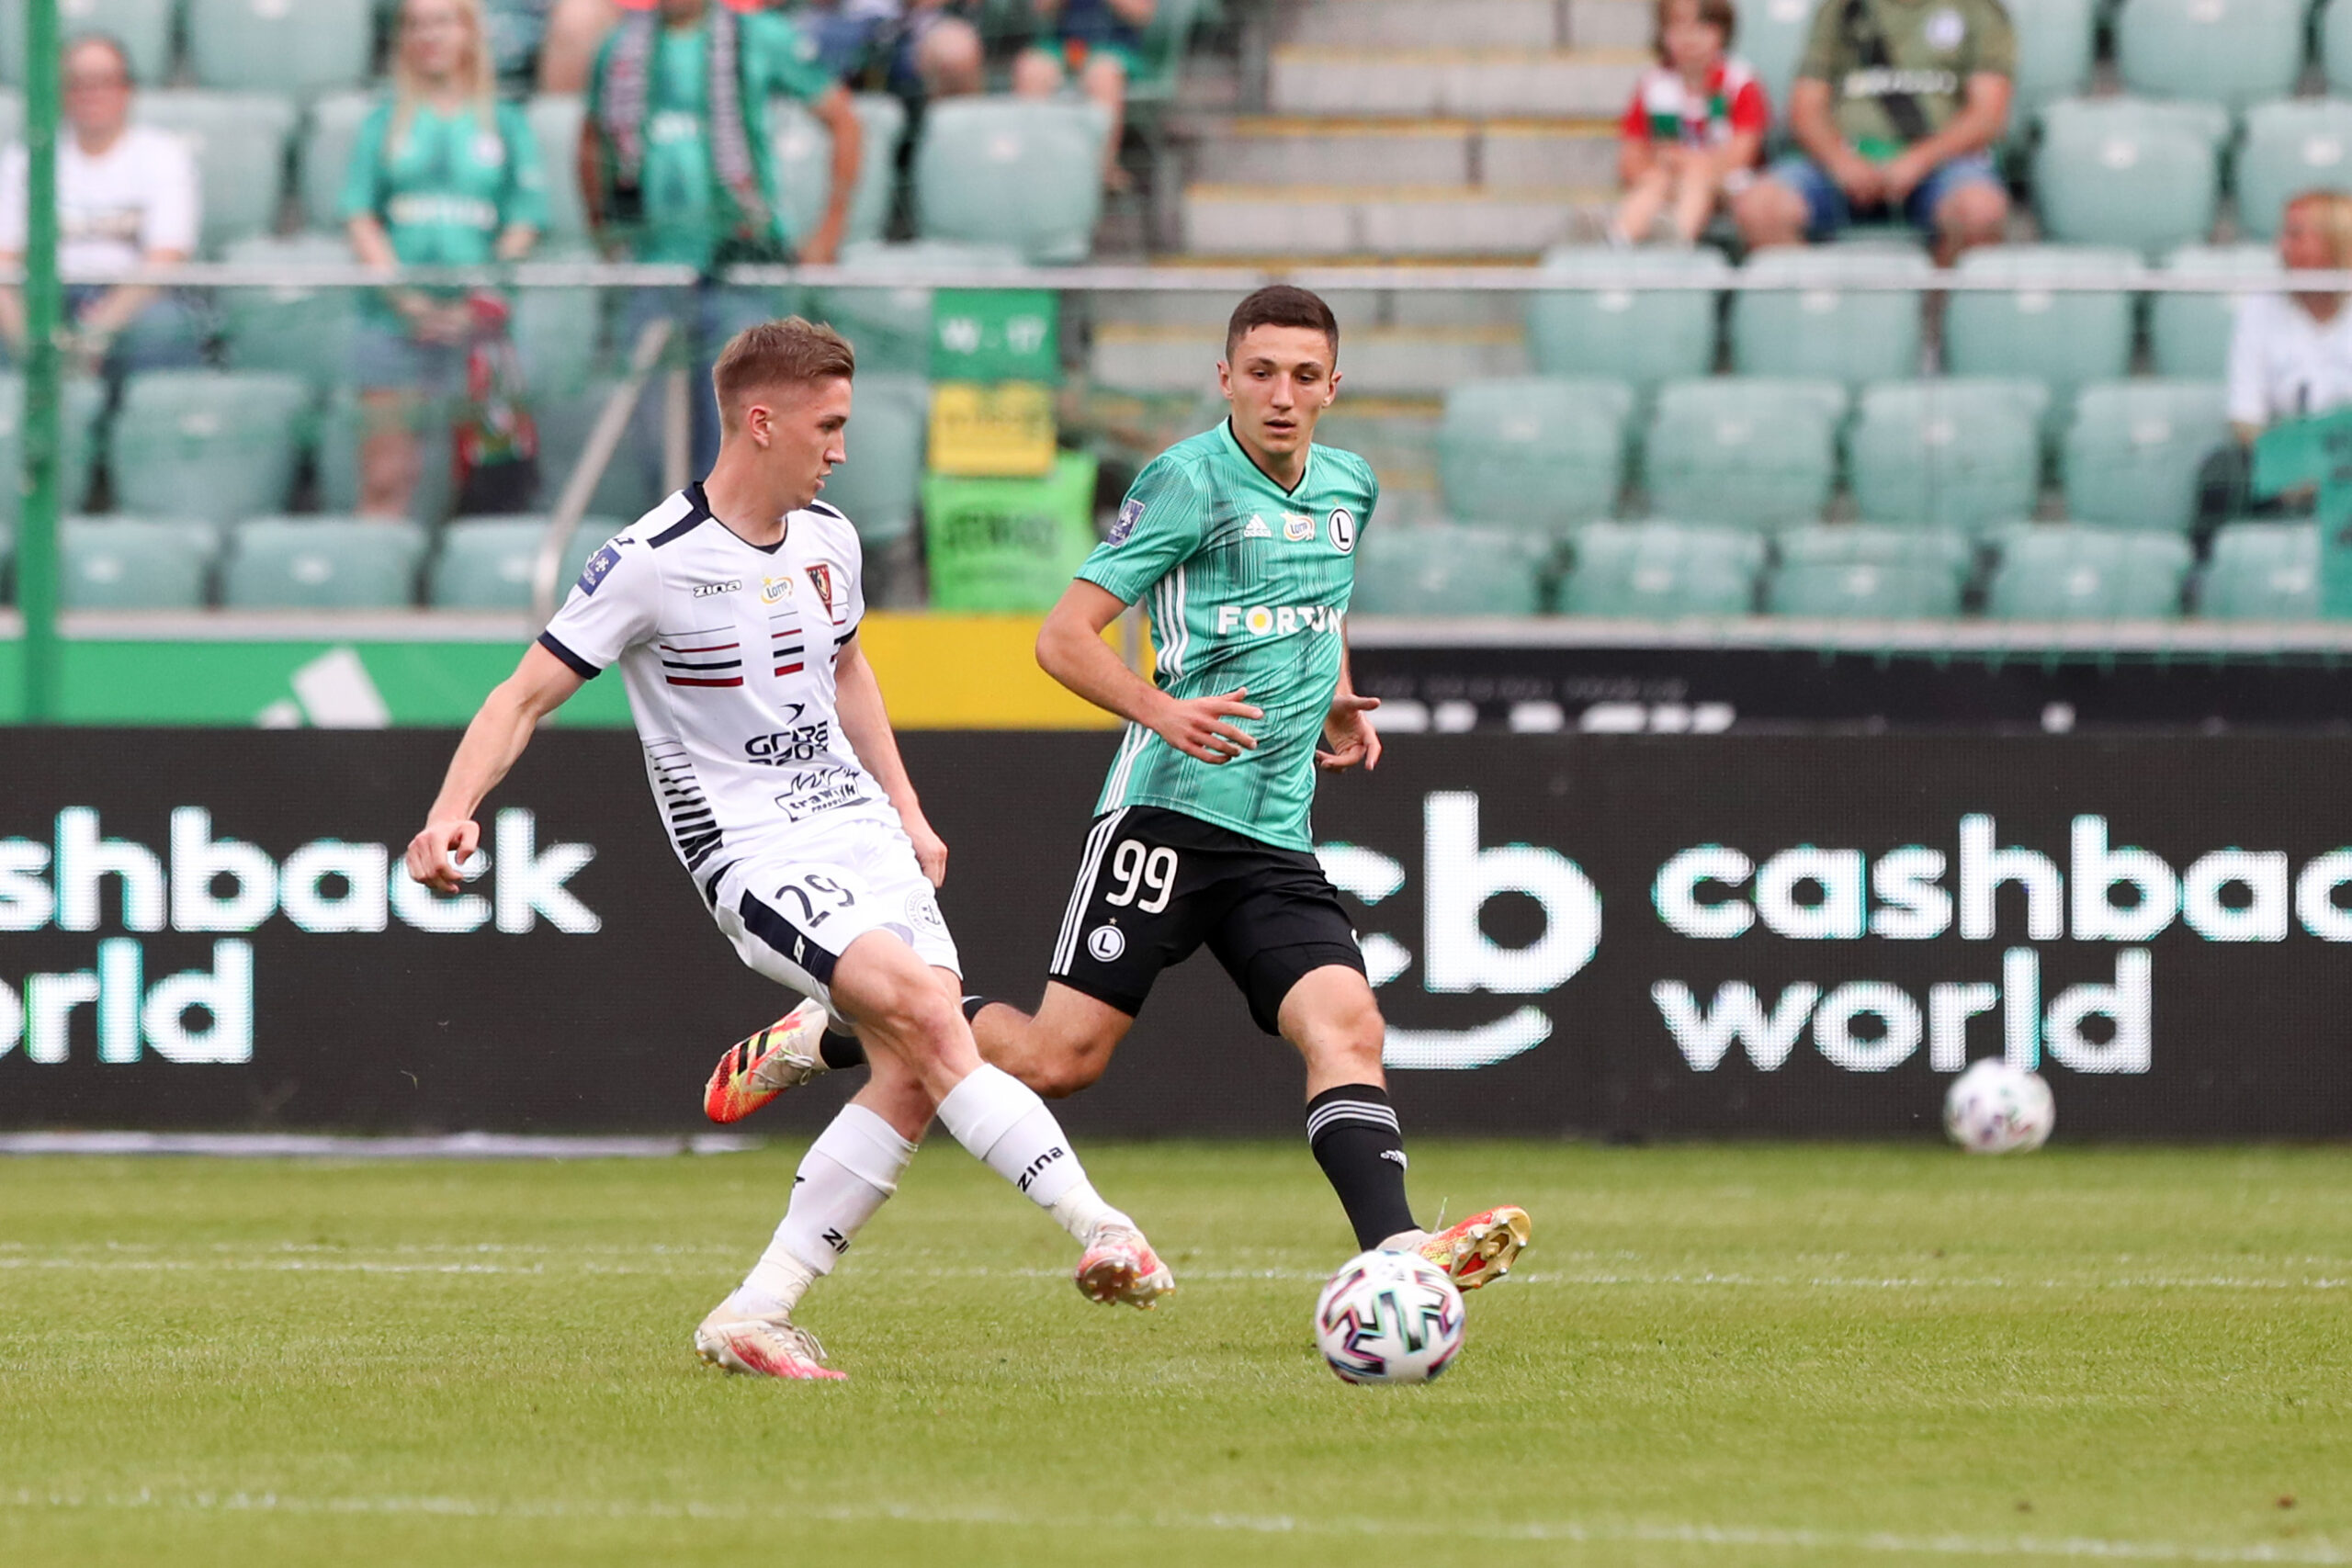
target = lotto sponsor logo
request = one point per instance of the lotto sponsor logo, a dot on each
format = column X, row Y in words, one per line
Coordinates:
column 1278, row 620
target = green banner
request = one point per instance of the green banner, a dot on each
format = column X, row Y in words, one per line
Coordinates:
column 996, row 334
column 1008, row 545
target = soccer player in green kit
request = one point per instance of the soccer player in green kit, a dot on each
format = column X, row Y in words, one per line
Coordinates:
column 1240, row 544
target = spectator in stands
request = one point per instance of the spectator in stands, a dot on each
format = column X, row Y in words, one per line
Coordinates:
column 575, row 30
column 676, row 164
column 1896, row 105
column 2290, row 355
column 1694, row 133
column 127, row 197
column 515, row 29
column 1100, row 42
column 444, row 175
column 918, row 49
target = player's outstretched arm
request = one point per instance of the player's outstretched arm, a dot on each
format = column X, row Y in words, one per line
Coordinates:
column 540, row 684
column 1070, row 649
column 857, row 698
column 1348, row 737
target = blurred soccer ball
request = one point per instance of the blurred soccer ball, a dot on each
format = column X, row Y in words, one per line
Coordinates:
column 1994, row 1107
column 1388, row 1317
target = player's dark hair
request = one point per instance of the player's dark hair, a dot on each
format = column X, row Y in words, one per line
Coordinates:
column 107, row 41
column 1280, row 305
column 787, row 353
column 1721, row 14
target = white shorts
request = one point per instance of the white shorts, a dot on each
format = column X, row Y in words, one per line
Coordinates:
column 792, row 913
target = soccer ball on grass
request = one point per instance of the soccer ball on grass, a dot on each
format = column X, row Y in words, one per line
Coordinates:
column 1388, row 1317
column 1997, row 1108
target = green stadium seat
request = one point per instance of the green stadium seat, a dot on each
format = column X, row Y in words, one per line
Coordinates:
column 2290, row 147
column 2127, row 171
column 323, row 152
column 2335, row 44
column 2052, row 572
column 2132, row 452
column 804, row 153
column 1862, row 591
column 1012, row 172
column 1772, row 36
column 1449, row 568
column 12, row 117
column 239, row 140
column 890, row 326
column 1753, row 452
column 280, row 46
column 1533, row 453
column 889, row 425
column 121, row 563
column 210, row 444
column 1862, row 543
column 559, row 333
column 565, row 416
column 86, row 402
column 341, row 430
column 2188, row 334
column 1642, row 337
column 322, row 563
column 555, row 121
column 2061, row 338
column 485, row 563
column 2055, row 43
column 1949, row 454
column 1161, row 60
column 1661, row 572
column 302, row 332
column 1812, row 327
column 2233, row 53
column 144, row 28
column 2262, row 571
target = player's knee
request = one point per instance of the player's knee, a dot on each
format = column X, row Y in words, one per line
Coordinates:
column 1344, row 1038
column 1065, row 1073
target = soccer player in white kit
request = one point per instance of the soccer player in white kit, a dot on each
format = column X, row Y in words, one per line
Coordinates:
column 732, row 609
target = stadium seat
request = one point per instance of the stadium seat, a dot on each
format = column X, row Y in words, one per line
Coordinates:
column 555, row 123
column 144, row 28
column 2188, row 334
column 1834, row 591
column 1949, row 454
column 2052, row 572
column 1862, row 543
column 2232, row 52
column 1013, row 172
column 485, row 563
column 2289, row 148
column 1661, row 572
column 86, row 401
column 1752, row 452
column 342, row 429
column 302, row 332
column 804, row 153
column 1812, row 327
column 215, row 445
column 2262, row 571
column 559, row 333
column 2132, row 452
column 565, row 416
column 120, row 563
column 322, row 563
column 322, row 149
column 239, row 140
column 2127, row 171
column 280, row 46
column 890, row 326
column 2055, row 41
column 12, row 117
column 1772, row 36
column 1450, row 569
column 880, row 483
column 1533, row 453
column 2061, row 338
column 1640, row 337
column 2335, row 44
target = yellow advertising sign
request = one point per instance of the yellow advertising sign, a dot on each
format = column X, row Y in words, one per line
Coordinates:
column 1000, row 430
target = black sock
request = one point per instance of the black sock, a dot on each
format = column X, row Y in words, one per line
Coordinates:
column 972, row 1006
column 839, row 1050
column 1354, row 1135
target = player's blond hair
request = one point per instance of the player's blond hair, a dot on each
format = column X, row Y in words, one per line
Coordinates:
column 791, row 351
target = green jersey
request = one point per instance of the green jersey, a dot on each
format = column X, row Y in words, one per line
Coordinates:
column 1247, row 585
column 1933, row 47
column 686, row 217
column 450, row 184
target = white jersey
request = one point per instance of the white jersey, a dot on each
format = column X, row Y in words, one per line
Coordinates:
column 727, row 651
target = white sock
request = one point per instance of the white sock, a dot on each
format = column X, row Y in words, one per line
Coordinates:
column 847, row 1175
column 1008, row 1128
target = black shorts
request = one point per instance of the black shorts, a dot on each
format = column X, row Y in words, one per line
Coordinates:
column 1154, row 885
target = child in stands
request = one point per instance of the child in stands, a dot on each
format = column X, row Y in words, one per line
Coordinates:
column 1694, row 131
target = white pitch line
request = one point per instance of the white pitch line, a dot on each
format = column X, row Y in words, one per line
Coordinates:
column 2324, row 1553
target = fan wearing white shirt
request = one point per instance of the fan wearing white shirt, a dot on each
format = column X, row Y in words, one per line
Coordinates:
column 2291, row 356
column 127, row 197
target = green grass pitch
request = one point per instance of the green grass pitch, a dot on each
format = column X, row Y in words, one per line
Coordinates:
column 1751, row 1354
